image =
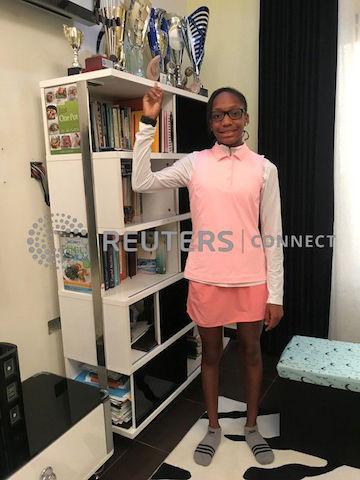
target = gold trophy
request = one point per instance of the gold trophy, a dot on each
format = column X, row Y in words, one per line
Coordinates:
column 113, row 17
column 75, row 38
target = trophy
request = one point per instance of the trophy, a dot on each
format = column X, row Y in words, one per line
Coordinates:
column 138, row 16
column 113, row 17
column 159, row 44
column 176, row 43
column 194, row 28
column 75, row 38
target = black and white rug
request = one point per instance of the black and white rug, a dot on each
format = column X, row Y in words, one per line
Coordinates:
column 234, row 460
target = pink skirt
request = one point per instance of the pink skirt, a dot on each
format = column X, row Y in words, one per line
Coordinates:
column 213, row 306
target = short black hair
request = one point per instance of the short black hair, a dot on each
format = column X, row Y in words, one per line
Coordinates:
column 217, row 92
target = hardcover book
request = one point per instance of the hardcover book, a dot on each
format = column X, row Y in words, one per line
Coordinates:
column 75, row 260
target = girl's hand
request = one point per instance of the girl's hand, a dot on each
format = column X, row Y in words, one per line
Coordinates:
column 152, row 102
column 273, row 315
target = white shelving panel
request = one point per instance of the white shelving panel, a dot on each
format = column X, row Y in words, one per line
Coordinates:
column 160, row 211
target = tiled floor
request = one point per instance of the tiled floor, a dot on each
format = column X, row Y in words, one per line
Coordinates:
column 138, row 459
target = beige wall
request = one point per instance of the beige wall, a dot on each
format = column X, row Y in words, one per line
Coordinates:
column 231, row 56
column 33, row 49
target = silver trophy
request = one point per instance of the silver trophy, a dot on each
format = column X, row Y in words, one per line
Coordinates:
column 138, row 16
column 194, row 29
column 176, row 43
column 113, row 17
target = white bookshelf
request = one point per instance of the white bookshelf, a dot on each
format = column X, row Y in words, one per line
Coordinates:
column 160, row 210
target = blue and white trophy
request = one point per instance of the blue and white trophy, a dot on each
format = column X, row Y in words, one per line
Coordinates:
column 158, row 36
column 194, row 28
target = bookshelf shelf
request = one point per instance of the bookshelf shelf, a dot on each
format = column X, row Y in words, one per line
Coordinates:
column 111, row 154
column 133, row 289
column 156, row 301
column 110, row 83
column 130, row 291
column 122, row 154
column 144, row 222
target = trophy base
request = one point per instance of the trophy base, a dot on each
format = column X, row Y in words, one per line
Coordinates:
column 204, row 92
column 97, row 62
column 74, row 70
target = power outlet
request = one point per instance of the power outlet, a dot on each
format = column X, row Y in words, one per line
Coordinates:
column 54, row 325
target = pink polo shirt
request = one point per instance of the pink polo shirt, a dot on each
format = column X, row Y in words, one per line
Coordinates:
column 224, row 201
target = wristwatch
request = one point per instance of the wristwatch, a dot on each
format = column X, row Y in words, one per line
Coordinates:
column 148, row 120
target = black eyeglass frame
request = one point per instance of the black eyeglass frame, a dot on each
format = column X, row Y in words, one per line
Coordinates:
column 230, row 113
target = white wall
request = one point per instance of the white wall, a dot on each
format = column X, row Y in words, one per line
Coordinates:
column 33, row 49
column 232, row 51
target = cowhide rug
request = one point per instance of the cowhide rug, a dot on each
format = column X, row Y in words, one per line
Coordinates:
column 234, row 460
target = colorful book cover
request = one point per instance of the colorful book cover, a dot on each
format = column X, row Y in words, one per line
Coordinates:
column 146, row 260
column 62, row 113
column 136, row 115
column 75, row 260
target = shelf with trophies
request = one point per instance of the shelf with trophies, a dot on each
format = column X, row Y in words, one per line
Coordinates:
column 151, row 348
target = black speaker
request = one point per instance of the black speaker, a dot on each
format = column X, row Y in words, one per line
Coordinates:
column 13, row 435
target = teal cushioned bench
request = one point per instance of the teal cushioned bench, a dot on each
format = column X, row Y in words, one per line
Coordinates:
column 331, row 363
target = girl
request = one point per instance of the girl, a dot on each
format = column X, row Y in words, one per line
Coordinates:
column 235, row 273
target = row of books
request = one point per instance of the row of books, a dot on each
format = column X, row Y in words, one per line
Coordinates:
column 114, row 127
column 119, row 390
column 119, row 264
column 111, row 126
column 114, row 262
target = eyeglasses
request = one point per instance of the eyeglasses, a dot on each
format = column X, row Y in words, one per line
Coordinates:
column 217, row 116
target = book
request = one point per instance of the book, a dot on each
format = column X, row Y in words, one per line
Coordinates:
column 75, row 262
column 161, row 255
column 146, row 253
column 122, row 260
column 62, row 114
column 131, row 256
column 116, row 128
column 111, row 266
column 136, row 115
